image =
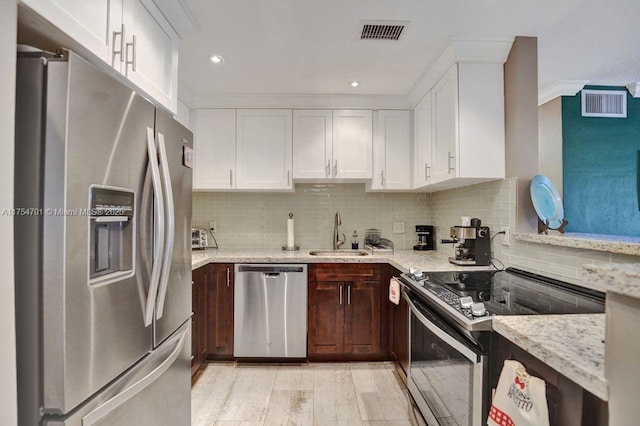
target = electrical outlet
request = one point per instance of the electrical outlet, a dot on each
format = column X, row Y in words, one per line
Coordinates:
column 506, row 237
column 212, row 226
column 398, row 227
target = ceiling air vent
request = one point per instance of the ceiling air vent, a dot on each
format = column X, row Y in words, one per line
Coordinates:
column 382, row 30
column 604, row 103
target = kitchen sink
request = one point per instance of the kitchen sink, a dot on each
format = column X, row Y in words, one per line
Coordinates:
column 337, row 253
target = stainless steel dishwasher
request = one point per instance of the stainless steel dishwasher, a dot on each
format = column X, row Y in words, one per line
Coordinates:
column 270, row 311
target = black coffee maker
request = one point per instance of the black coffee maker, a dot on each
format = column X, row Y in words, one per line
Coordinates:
column 426, row 236
column 472, row 244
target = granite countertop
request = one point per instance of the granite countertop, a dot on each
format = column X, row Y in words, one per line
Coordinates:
column 619, row 278
column 571, row 344
column 609, row 243
column 401, row 259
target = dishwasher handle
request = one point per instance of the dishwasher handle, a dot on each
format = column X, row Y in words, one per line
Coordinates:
column 270, row 269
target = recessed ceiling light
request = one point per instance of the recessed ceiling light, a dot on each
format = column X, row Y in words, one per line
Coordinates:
column 216, row 59
column 355, row 84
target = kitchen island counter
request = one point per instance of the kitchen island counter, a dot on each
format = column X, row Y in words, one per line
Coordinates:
column 571, row 344
column 401, row 259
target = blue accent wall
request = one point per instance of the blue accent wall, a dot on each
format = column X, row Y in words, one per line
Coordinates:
column 601, row 157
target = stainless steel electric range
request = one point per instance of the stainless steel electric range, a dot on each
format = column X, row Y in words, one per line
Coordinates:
column 450, row 338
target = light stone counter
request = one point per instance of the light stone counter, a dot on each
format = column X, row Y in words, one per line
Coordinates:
column 572, row 344
column 402, row 259
column 609, row 243
column 619, row 278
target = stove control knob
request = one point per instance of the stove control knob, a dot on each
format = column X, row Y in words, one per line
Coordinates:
column 418, row 274
column 478, row 309
column 466, row 302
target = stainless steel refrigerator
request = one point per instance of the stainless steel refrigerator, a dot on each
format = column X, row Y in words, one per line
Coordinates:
column 103, row 257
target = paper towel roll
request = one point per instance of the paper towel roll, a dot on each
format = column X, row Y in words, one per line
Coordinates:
column 290, row 239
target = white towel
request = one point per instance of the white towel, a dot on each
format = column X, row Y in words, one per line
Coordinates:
column 394, row 291
column 520, row 399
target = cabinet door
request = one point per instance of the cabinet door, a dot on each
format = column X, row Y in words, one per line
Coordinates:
column 392, row 150
column 264, row 149
column 151, row 52
column 362, row 318
column 445, row 122
column 352, row 144
column 220, row 311
column 198, row 323
column 326, row 318
column 214, row 144
column 312, row 144
column 422, row 128
column 87, row 22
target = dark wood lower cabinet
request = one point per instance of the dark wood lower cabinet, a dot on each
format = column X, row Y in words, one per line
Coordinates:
column 219, row 302
column 569, row 404
column 198, row 318
column 348, row 318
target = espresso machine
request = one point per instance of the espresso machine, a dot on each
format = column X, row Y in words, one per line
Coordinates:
column 472, row 244
column 425, row 237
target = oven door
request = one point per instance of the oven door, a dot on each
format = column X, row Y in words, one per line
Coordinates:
column 446, row 370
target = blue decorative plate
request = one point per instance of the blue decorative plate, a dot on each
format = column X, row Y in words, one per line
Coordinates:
column 546, row 201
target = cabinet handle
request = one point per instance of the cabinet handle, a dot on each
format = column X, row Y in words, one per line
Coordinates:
column 335, row 168
column 113, row 44
column 340, row 295
column 328, row 168
column 288, row 177
column 426, row 171
column 382, row 177
column 230, row 178
column 228, row 277
column 348, row 295
column 131, row 62
column 451, row 157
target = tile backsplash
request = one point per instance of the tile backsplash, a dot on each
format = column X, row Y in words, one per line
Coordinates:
column 259, row 220
column 495, row 204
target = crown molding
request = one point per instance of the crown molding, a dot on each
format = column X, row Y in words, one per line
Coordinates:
column 185, row 94
column 634, row 89
column 460, row 50
column 560, row 88
column 298, row 101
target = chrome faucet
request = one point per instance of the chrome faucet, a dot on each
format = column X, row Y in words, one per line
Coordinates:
column 336, row 240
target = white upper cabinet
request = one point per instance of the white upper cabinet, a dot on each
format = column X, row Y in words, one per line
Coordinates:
column 87, row 22
column 468, row 140
column 264, row 149
column 150, row 57
column 391, row 150
column 422, row 163
column 312, row 144
column 132, row 36
column 445, row 126
column 214, row 144
column 352, row 144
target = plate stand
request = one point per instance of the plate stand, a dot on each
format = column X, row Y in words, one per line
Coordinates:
column 544, row 226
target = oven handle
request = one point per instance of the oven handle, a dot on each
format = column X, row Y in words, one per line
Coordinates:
column 446, row 337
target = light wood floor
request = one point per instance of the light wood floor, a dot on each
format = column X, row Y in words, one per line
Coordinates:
column 309, row 394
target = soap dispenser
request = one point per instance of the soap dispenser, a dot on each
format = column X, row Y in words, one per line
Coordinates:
column 355, row 242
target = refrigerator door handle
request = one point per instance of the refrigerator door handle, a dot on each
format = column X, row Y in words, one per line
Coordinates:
column 159, row 237
column 111, row 404
column 170, row 224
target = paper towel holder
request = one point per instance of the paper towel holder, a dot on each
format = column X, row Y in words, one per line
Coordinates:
column 290, row 246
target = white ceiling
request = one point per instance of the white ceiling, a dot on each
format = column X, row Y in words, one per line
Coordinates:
column 312, row 47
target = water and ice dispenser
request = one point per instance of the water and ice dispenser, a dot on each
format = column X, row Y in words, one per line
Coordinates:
column 111, row 234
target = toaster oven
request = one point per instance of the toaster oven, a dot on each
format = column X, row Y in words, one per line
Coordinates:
column 198, row 238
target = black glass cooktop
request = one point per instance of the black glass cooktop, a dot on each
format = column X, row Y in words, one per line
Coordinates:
column 515, row 292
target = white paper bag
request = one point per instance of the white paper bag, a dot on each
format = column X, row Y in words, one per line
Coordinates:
column 394, row 291
column 519, row 400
